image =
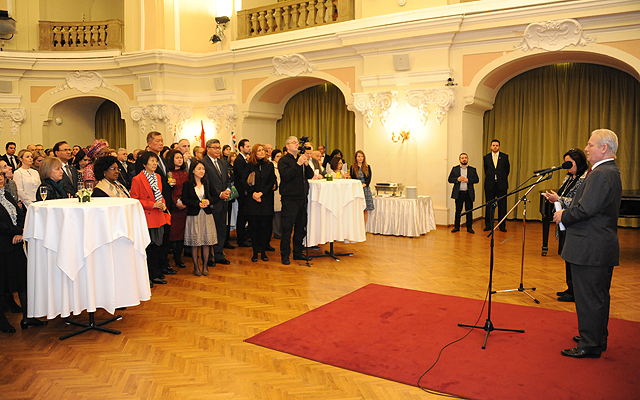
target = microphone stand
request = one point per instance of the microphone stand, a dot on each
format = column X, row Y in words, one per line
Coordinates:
column 523, row 200
column 488, row 327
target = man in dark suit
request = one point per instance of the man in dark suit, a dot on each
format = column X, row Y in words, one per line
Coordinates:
column 10, row 155
column 239, row 167
column 218, row 175
column 496, row 172
column 463, row 177
column 123, row 166
column 294, row 188
column 70, row 176
column 591, row 245
column 155, row 143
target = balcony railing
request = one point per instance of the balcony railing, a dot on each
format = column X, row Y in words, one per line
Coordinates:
column 89, row 35
column 292, row 15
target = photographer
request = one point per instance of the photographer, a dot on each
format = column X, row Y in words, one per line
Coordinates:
column 294, row 173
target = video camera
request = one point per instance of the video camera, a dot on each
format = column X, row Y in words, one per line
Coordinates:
column 302, row 148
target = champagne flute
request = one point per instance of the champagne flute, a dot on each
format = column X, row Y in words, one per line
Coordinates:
column 89, row 187
column 43, row 194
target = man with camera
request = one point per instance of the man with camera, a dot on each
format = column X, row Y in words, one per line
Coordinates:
column 294, row 188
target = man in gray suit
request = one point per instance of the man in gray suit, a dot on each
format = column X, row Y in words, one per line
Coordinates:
column 591, row 246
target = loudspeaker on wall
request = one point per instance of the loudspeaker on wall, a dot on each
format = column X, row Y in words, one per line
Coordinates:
column 401, row 62
column 145, row 83
column 6, row 87
column 219, row 83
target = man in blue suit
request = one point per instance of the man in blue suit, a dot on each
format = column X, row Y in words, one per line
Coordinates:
column 463, row 177
column 591, row 246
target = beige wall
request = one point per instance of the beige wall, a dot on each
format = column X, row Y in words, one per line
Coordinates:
column 73, row 10
column 78, row 122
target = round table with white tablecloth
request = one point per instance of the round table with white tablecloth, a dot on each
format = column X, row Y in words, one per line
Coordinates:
column 335, row 211
column 400, row 216
column 84, row 256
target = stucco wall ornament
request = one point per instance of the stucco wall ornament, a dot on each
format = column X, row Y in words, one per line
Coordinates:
column 292, row 65
column 222, row 115
column 554, row 35
column 421, row 100
column 173, row 116
column 84, row 82
column 15, row 115
column 366, row 104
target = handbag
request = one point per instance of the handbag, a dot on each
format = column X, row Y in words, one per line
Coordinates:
column 234, row 194
column 251, row 179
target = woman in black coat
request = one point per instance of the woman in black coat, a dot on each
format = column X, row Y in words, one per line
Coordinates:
column 261, row 183
column 13, row 262
column 51, row 176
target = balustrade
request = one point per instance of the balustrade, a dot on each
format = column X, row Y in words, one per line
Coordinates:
column 291, row 15
column 86, row 35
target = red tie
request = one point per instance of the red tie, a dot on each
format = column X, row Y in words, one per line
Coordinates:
column 589, row 171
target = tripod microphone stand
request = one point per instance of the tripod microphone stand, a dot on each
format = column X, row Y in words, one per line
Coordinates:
column 523, row 200
column 491, row 205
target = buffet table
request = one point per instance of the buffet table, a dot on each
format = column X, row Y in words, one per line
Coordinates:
column 85, row 256
column 400, row 216
column 335, row 211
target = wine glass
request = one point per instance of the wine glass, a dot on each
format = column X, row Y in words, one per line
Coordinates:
column 43, row 194
column 89, row 187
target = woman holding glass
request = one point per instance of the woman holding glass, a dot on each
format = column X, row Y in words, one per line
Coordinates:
column 26, row 178
column 177, row 176
column 13, row 261
column 147, row 188
column 51, row 186
column 200, row 227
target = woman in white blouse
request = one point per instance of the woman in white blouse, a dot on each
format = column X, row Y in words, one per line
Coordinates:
column 26, row 178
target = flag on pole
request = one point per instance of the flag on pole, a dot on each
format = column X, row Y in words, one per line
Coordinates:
column 232, row 140
column 202, row 141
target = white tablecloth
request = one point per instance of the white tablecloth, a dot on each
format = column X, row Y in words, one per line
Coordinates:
column 401, row 217
column 335, row 211
column 84, row 256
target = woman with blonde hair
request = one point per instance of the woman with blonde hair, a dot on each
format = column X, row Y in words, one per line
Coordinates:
column 27, row 179
column 362, row 171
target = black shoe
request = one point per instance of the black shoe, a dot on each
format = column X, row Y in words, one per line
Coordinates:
column 577, row 339
column 223, row 261
column 6, row 327
column 503, row 229
column 264, row 257
column 228, row 245
column 158, row 281
column 169, row 271
column 181, row 265
column 301, row 257
column 285, row 260
column 568, row 298
column 26, row 323
column 254, row 258
column 454, row 230
column 470, row 230
column 162, row 276
column 580, row 353
column 486, row 229
column 210, row 263
column 244, row 244
column 269, row 248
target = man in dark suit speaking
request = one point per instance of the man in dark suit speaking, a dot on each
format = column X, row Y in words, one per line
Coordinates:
column 463, row 177
column 591, row 245
column 496, row 172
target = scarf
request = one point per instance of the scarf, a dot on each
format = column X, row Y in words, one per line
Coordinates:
column 56, row 186
column 153, row 182
column 11, row 209
column 113, row 189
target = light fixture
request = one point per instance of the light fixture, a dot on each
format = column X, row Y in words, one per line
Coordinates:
column 7, row 25
column 403, row 134
column 221, row 25
column 450, row 82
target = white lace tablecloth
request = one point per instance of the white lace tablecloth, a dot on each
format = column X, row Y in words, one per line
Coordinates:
column 401, row 217
column 85, row 256
column 335, row 211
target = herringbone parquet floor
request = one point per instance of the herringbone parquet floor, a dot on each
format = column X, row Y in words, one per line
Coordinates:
column 187, row 341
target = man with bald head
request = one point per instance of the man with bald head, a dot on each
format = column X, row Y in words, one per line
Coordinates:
column 591, row 246
column 185, row 148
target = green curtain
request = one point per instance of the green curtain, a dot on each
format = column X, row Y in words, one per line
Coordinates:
column 110, row 125
column 319, row 112
column 542, row 113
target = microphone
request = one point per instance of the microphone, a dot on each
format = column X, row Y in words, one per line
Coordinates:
column 565, row 165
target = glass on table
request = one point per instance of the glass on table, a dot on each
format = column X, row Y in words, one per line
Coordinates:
column 43, row 193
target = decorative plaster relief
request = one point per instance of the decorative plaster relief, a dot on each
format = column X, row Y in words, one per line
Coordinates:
column 173, row 116
column 16, row 115
column 422, row 99
column 83, row 81
column 222, row 115
column 554, row 35
column 292, row 65
column 366, row 103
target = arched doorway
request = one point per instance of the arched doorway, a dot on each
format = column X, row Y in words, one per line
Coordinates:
column 110, row 126
column 73, row 120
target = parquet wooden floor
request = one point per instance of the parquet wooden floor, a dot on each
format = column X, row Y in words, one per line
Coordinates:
column 187, row 341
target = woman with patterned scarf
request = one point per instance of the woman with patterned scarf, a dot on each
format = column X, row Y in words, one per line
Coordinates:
column 98, row 149
column 147, row 188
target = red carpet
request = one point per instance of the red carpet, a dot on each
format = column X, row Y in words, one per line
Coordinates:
column 396, row 334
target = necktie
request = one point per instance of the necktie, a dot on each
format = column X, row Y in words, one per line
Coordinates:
column 495, row 161
column 589, row 171
column 215, row 162
column 68, row 170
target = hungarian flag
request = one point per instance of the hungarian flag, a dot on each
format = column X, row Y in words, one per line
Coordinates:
column 232, row 140
column 202, row 141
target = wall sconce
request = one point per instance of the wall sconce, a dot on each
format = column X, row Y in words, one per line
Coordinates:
column 221, row 25
column 403, row 134
column 450, row 82
column 7, row 25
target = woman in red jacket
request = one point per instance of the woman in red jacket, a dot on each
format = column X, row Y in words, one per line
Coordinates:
column 147, row 188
